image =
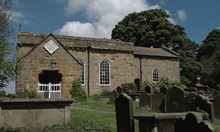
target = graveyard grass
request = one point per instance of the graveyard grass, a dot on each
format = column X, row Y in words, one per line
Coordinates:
column 98, row 111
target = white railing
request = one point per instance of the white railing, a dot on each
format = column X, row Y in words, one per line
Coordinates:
column 50, row 88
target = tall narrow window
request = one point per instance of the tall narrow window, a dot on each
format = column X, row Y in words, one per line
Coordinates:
column 104, row 73
column 82, row 72
column 155, row 75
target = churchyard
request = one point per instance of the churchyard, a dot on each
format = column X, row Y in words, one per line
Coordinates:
column 100, row 114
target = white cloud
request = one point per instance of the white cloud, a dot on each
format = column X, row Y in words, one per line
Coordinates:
column 181, row 14
column 170, row 18
column 102, row 16
column 17, row 17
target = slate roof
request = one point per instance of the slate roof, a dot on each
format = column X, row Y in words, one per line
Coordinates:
column 29, row 38
column 157, row 52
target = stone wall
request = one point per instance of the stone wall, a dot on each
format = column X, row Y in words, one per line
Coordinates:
column 33, row 112
column 166, row 66
column 122, row 68
column 38, row 59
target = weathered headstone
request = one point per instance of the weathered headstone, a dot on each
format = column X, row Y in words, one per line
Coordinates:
column 112, row 96
column 163, row 89
column 124, row 113
column 148, row 89
column 193, row 122
column 189, row 100
column 119, row 89
column 202, row 104
column 158, row 102
column 216, row 93
column 145, row 101
column 175, row 99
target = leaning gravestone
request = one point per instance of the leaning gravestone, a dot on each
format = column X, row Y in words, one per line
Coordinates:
column 112, row 96
column 145, row 101
column 175, row 99
column 124, row 113
column 158, row 102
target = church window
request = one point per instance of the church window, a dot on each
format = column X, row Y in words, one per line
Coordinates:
column 82, row 72
column 104, row 73
column 155, row 75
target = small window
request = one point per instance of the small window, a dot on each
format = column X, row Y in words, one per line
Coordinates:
column 155, row 75
column 82, row 72
column 104, row 73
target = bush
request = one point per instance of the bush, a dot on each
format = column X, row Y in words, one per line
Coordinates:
column 128, row 87
column 27, row 94
column 105, row 92
column 165, row 81
column 77, row 92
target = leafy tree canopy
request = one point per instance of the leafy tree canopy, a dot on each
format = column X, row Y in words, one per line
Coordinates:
column 153, row 28
column 209, row 56
column 6, row 63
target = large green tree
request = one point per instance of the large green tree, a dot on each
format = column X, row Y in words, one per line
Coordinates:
column 6, row 61
column 152, row 28
column 209, row 56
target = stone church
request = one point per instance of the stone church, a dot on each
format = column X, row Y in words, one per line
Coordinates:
column 48, row 64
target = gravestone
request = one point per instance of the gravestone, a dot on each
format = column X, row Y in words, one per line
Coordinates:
column 189, row 100
column 163, row 89
column 158, row 102
column 175, row 99
column 202, row 104
column 112, row 96
column 124, row 113
column 216, row 103
column 193, row 122
column 145, row 101
column 119, row 90
column 148, row 89
column 216, row 93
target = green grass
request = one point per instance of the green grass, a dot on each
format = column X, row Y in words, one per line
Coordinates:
column 96, row 104
column 106, row 120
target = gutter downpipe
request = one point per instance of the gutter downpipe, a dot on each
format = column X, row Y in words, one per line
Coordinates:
column 140, row 58
column 88, row 68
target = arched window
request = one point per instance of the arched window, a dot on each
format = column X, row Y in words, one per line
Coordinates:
column 155, row 75
column 82, row 72
column 104, row 73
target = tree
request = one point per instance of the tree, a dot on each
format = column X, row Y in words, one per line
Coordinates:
column 209, row 56
column 6, row 62
column 152, row 28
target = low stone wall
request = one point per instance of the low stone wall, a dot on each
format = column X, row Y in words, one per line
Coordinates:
column 33, row 112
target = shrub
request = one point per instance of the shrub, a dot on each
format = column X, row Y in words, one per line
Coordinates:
column 77, row 92
column 27, row 94
column 128, row 87
column 165, row 81
column 105, row 92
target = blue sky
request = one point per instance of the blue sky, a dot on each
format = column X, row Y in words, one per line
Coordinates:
column 96, row 18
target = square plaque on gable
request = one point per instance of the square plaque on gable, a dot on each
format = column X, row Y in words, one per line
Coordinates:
column 51, row 47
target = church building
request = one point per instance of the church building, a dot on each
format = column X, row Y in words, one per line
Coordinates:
column 48, row 64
